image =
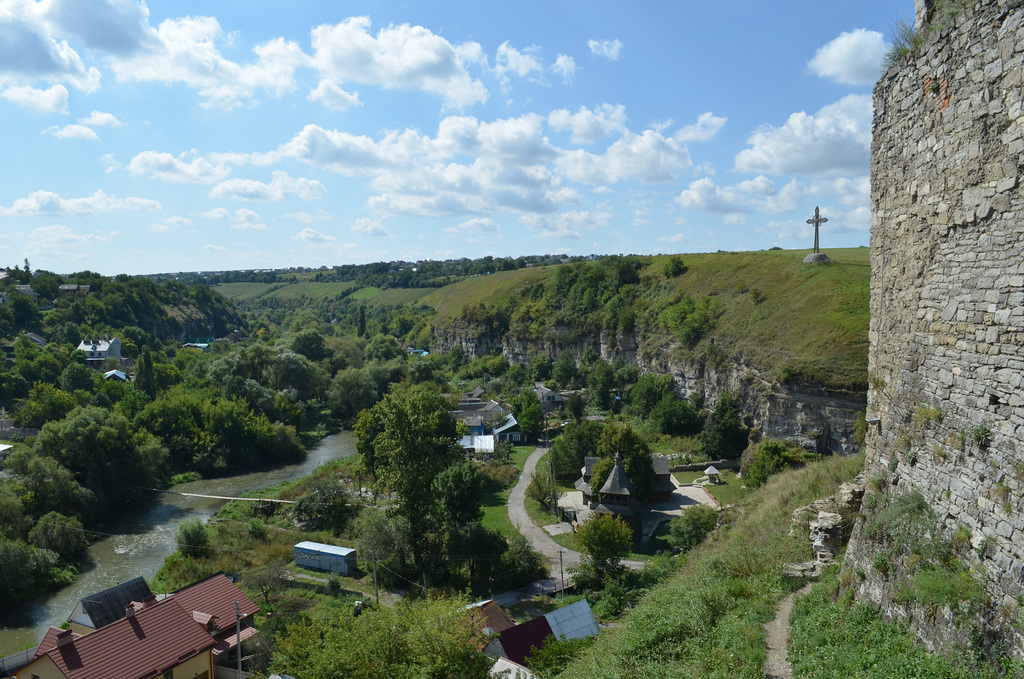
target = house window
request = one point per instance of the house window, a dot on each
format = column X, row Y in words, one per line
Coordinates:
column 169, row 674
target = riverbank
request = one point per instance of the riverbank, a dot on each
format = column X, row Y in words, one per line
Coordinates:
column 141, row 539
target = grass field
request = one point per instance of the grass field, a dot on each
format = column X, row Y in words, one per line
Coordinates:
column 788, row 318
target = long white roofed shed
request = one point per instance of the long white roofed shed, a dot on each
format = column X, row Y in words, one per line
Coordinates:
column 323, row 557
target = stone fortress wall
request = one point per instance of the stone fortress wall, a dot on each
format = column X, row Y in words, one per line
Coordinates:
column 946, row 364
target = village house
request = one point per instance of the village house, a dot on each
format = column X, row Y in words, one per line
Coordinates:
column 153, row 639
column 99, row 350
column 209, row 604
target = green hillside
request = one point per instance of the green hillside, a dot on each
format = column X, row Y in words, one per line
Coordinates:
column 766, row 308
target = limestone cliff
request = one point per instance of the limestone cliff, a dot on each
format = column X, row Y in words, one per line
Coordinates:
column 946, row 359
column 814, row 418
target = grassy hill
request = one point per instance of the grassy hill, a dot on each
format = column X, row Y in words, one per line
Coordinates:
column 772, row 310
column 767, row 308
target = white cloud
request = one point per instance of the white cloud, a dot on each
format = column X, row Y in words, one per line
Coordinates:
column 565, row 67
column 706, row 127
column 704, row 195
column 588, row 126
column 177, row 169
column 48, row 203
column 306, row 218
column 852, row 191
column 72, row 132
column 854, row 58
column 566, row 224
column 60, row 241
column 171, row 222
column 185, row 51
column 100, row 119
column 609, row 49
column 54, row 99
column 400, row 57
column 29, row 51
column 280, row 187
column 760, row 185
column 475, row 225
column 365, row 226
column 111, row 26
column 215, row 248
column 736, row 218
column 314, row 237
column 836, row 139
column 333, row 97
column 647, row 157
column 509, row 60
column 673, row 238
column 789, row 197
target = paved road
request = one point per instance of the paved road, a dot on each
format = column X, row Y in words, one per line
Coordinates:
column 537, row 536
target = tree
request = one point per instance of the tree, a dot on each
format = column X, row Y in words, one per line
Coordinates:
column 424, row 638
column 310, row 343
column 724, row 435
column 351, row 391
column 145, row 376
column 604, row 540
column 382, row 348
column 327, row 503
column 22, row 570
column 60, row 534
column 458, row 492
column 634, row 453
column 267, row 579
column 674, row 267
column 104, row 453
column 76, row 376
column 601, row 382
column 383, row 536
column 648, row 392
column 528, row 413
column 192, row 538
column 45, row 403
column 406, row 440
column 575, row 407
column 675, row 416
column 690, row 529
column 564, row 372
column 520, row 563
column 578, row 441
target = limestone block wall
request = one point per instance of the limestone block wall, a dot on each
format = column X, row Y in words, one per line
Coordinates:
column 946, row 361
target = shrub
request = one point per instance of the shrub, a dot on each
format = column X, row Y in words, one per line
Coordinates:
column 690, row 529
column 192, row 538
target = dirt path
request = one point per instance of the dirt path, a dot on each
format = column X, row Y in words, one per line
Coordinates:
column 777, row 637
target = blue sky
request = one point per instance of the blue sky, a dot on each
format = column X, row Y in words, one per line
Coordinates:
column 145, row 137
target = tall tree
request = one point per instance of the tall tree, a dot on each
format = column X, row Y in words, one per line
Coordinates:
column 407, row 439
column 145, row 375
column 604, row 540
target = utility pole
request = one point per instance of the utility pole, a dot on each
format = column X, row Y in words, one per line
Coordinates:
column 238, row 638
column 376, row 591
column 561, row 575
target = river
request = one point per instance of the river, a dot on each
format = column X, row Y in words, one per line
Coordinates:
column 141, row 540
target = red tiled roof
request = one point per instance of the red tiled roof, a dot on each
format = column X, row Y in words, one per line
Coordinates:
column 50, row 641
column 147, row 644
column 216, row 596
column 228, row 639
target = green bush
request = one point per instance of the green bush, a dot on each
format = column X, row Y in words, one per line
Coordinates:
column 192, row 538
column 690, row 529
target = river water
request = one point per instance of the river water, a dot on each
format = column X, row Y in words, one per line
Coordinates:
column 142, row 539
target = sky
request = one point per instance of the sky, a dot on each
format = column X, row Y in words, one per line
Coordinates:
column 148, row 137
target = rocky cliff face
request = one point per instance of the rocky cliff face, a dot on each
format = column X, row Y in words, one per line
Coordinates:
column 814, row 418
column 947, row 321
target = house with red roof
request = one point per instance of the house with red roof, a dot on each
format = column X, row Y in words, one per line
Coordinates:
column 187, row 634
column 154, row 639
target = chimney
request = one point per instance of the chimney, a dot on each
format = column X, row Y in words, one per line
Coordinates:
column 64, row 638
column 129, row 610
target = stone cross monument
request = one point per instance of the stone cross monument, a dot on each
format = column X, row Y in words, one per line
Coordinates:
column 817, row 255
